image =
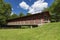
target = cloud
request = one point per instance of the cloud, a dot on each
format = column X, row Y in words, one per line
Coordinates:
column 24, row 5
column 40, row 1
column 37, row 7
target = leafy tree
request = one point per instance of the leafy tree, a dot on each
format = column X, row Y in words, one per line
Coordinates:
column 21, row 14
column 28, row 13
column 55, row 10
column 1, row 1
column 5, row 10
column 13, row 16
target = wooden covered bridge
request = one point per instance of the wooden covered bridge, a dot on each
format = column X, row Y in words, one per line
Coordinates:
column 34, row 19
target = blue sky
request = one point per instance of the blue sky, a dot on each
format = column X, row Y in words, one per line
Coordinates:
column 17, row 9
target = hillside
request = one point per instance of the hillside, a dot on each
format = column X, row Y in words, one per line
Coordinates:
column 49, row 31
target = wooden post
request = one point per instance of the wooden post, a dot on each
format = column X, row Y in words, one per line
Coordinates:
column 31, row 27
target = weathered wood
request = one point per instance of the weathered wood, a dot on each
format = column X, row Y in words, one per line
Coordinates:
column 35, row 19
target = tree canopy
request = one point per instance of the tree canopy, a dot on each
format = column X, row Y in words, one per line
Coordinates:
column 13, row 16
column 28, row 14
column 55, row 10
column 21, row 14
column 5, row 11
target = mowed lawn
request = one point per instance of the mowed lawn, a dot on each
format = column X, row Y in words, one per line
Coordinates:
column 49, row 31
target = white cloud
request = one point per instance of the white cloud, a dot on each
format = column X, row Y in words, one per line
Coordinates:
column 24, row 5
column 41, row 1
column 37, row 7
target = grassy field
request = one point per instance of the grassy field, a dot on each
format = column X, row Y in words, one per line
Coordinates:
column 49, row 31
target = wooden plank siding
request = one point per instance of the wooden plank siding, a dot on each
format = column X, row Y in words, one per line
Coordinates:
column 34, row 19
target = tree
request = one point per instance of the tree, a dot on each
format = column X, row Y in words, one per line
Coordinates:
column 28, row 14
column 1, row 1
column 21, row 14
column 5, row 10
column 13, row 16
column 55, row 10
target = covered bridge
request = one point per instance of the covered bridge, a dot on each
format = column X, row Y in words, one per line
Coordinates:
column 34, row 19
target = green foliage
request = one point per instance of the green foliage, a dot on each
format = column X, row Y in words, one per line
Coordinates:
column 46, row 9
column 13, row 16
column 5, row 10
column 55, row 10
column 46, row 32
column 2, row 19
column 21, row 14
column 28, row 14
column 1, row 1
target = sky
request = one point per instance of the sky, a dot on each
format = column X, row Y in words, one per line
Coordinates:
column 29, row 6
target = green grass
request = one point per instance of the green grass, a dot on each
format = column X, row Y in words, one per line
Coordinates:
column 49, row 31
